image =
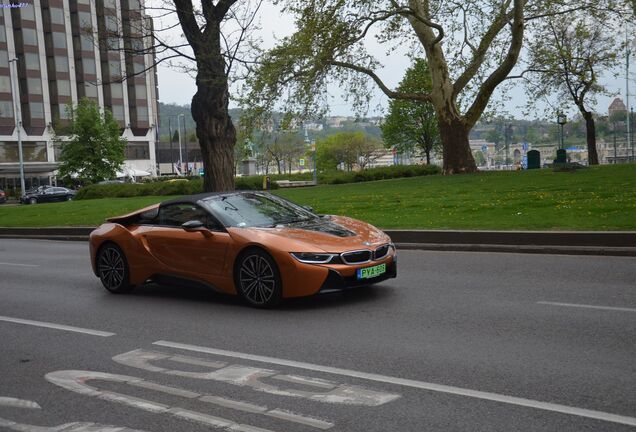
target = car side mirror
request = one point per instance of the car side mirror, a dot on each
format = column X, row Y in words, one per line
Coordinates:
column 196, row 225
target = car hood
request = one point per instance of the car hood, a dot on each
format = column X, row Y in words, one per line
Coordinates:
column 328, row 234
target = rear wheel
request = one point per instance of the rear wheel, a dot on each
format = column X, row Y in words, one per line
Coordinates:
column 112, row 269
column 69, row 197
column 258, row 280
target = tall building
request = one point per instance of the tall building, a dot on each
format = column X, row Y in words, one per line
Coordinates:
column 66, row 50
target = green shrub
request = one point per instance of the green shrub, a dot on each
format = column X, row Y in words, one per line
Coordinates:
column 187, row 186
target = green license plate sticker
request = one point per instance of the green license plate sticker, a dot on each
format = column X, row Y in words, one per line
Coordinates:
column 371, row 272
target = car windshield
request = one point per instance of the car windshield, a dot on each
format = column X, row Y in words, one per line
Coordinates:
column 256, row 210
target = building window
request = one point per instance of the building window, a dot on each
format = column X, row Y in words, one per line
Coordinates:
column 111, row 24
column 63, row 112
column 137, row 150
column 112, row 43
column 118, row 112
column 85, row 21
column 57, row 15
column 142, row 113
column 6, row 109
column 37, row 110
column 140, row 91
column 27, row 13
column 89, row 66
column 90, row 90
column 4, row 59
column 5, row 84
column 63, row 88
column 32, row 61
column 138, row 68
column 59, row 40
column 61, row 64
column 29, row 37
column 32, row 151
column 3, row 35
column 134, row 5
column 110, row 4
column 114, row 68
column 86, row 42
column 34, row 86
column 86, row 2
column 116, row 91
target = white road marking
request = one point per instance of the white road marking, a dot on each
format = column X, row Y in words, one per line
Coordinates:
column 19, row 265
column 247, row 376
column 18, row 403
column 495, row 397
column 76, row 381
column 68, row 427
column 585, row 306
column 56, row 326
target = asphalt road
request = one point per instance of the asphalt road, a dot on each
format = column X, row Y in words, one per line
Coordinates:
column 458, row 342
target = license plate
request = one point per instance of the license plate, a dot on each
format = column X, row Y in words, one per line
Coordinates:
column 371, row 272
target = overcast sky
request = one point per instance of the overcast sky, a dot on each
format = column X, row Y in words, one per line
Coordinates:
column 178, row 87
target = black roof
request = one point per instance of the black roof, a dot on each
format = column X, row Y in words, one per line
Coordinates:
column 193, row 199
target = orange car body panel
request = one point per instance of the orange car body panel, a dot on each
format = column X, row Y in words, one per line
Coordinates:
column 209, row 257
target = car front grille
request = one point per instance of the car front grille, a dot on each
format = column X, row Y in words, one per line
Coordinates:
column 381, row 252
column 356, row 257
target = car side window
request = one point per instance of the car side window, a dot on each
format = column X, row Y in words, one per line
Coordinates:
column 175, row 215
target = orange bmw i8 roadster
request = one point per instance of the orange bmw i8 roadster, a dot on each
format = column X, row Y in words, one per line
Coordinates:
column 254, row 244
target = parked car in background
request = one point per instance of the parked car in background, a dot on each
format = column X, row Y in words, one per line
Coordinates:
column 3, row 197
column 44, row 194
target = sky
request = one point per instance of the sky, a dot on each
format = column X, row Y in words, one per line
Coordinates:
column 178, row 87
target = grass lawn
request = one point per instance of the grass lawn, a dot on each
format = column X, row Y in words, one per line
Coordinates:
column 599, row 198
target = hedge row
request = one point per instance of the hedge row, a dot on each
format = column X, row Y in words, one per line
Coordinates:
column 183, row 186
column 176, row 187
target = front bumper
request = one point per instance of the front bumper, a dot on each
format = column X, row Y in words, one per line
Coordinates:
column 336, row 282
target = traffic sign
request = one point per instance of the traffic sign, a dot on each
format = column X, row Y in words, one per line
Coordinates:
column 301, row 162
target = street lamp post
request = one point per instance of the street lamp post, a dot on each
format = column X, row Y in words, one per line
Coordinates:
column 631, row 116
column 18, row 124
column 180, row 153
column 508, row 139
column 614, row 133
column 313, row 145
column 185, row 143
column 561, row 120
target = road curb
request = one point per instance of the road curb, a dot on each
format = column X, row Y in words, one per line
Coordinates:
column 610, row 243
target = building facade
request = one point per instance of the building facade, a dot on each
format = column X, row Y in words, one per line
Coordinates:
column 67, row 50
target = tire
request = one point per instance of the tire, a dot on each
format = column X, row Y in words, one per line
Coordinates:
column 69, row 197
column 112, row 269
column 258, row 280
column 33, row 201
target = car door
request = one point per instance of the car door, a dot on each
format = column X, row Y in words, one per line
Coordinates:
column 195, row 252
column 57, row 194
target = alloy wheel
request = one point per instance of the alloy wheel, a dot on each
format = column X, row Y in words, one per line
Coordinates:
column 112, row 268
column 257, row 279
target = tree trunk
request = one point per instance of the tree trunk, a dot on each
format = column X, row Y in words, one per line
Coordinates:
column 215, row 130
column 458, row 158
column 590, row 128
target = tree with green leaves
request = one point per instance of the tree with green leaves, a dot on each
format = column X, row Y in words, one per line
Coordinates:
column 567, row 59
column 347, row 148
column 411, row 126
column 470, row 46
column 91, row 148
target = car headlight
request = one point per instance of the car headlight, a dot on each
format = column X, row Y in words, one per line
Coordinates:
column 313, row 258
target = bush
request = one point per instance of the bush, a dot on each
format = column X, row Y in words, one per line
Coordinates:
column 188, row 186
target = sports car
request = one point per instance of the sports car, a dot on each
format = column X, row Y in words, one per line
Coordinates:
column 253, row 244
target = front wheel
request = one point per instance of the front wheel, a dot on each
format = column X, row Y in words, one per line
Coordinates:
column 258, row 280
column 33, row 201
column 112, row 269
